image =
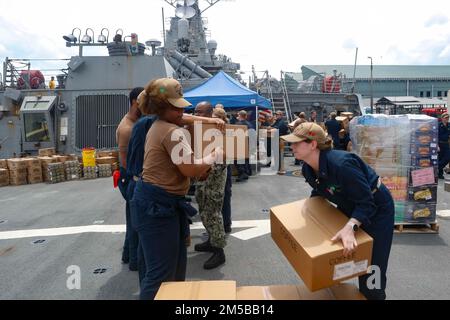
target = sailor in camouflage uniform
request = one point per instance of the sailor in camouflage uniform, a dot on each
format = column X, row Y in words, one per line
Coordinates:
column 209, row 195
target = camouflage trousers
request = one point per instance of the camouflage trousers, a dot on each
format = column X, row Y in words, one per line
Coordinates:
column 209, row 195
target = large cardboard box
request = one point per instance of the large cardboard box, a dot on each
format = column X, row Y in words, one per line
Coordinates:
column 299, row 292
column 206, row 137
column 303, row 231
column 16, row 163
column 200, row 290
column 48, row 152
column 3, row 164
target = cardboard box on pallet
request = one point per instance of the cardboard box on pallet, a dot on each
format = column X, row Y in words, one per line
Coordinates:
column 299, row 292
column 303, row 231
column 45, row 161
column 16, row 163
column 47, row 152
column 3, row 164
column 4, row 177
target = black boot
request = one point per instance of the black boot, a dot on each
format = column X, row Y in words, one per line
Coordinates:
column 204, row 247
column 217, row 259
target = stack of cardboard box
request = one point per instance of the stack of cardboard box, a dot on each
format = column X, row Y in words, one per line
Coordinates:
column 17, row 171
column 228, row 291
column 4, row 173
column 47, row 152
column 399, row 148
column 34, row 170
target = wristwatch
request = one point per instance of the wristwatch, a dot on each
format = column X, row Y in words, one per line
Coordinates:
column 354, row 226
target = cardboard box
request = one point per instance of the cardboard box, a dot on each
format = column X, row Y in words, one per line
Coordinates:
column 34, row 179
column 16, row 181
column 18, row 172
column 3, row 164
column 32, row 162
column 108, row 153
column 60, row 158
column 34, row 171
column 303, row 231
column 16, row 163
column 299, row 292
column 201, row 290
column 48, row 152
column 106, row 160
column 205, row 137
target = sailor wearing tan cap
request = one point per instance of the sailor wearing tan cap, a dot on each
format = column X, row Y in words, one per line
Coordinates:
column 344, row 179
column 159, row 209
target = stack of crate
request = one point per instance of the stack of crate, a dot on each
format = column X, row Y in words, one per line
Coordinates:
column 104, row 170
column 17, row 171
column 4, row 173
column 34, row 170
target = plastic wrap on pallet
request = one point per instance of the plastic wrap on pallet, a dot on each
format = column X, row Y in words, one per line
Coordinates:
column 72, row 169
column 104, row 170
column 90, row 172
column 402, row 150
column 56, row 173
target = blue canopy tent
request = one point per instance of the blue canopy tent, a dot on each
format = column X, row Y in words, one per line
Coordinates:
column 227, row 91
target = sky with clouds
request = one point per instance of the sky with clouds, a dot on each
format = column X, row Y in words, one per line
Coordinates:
column 272, row 35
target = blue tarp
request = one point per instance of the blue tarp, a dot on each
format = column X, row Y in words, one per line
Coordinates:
column 225, row 90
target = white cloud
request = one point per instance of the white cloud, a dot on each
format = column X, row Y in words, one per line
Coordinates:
column 437, row 19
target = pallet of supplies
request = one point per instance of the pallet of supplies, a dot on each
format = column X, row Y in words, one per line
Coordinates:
column 106, row 160
column 60, row 158
column 90, row 172
column 47, row 152
column 403, row 150
column 4, row 177
column 56, row 173
column 72, row 169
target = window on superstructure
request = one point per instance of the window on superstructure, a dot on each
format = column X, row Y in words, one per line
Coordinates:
column 428, row 94
column 439, row 94
column 421, row 94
